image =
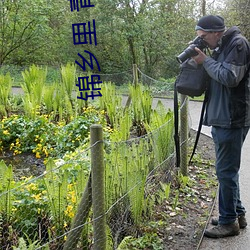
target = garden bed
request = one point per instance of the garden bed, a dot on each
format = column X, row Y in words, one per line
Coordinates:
column 25, row 164
column 178, row 221
column 186, row 224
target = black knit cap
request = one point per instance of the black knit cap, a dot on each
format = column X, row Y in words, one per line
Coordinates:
column 210, row 23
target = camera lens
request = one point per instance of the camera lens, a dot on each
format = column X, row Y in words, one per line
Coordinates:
column 187, row 53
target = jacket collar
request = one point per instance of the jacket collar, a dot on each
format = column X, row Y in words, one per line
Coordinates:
column 231, row 32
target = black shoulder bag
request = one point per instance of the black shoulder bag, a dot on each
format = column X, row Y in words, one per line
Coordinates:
column 191, row 81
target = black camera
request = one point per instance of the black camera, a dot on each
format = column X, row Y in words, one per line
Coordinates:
column 190, row 51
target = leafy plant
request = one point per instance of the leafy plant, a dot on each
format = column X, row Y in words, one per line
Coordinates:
column 164, row 191
column 6, row 204
column 48, row 98
column 33, row 85
column 147, row 241
column 5, row 90
column 110, row 102
column 30, row 208
column 22, row 245
column 141, row 104
column 126, row 173
column 161, row 126
column 56, row 187
column 176, row 199
column 43, row 137
column 184, row 181
column 6, row 184
column 68, row 74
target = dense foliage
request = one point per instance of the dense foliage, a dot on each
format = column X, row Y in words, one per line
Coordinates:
column 39, row 210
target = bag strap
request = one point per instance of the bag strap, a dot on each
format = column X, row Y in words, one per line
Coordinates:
column 176, row 126
column 199, row 127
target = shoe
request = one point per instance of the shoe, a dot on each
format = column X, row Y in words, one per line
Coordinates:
column 241, row 219
column 221, row 231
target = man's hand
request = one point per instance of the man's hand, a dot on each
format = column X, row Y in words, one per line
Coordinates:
column 200, row 58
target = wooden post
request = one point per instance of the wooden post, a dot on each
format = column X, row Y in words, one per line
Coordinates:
column 135, row 74
column 98, row 195
column 135, row 81
column 184, row 135
column 80, row 218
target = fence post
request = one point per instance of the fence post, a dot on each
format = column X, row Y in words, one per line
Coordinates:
column 98, row 195
column 135, row 77
column 135, row 74
column 80, row 218
column 184, row 135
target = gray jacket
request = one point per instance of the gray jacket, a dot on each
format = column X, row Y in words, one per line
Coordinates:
column 228, row 103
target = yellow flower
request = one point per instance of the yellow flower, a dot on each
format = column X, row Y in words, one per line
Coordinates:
column 69, row 211
column 6, row 132
column 14, row 209
column 45, row 151
column 16, row 152
column 26, row 178
column 31, row 187
column 38, row 155
column 73, row 199
column 37, row 196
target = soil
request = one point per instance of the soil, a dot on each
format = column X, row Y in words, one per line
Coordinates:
column 186, row 223
column 25, row 164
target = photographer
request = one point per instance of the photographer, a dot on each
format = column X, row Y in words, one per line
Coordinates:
column 228, row 112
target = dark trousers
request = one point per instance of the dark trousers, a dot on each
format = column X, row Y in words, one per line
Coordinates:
column 228, row 145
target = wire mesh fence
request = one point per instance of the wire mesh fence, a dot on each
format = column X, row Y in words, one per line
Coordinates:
column 158, row 87
column 42, row 210
column 55, row 210
column 53, row 74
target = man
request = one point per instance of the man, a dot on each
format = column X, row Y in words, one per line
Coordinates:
column 228, row 112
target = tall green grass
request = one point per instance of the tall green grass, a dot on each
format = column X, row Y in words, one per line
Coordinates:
column 33, row 84
column 5, row 90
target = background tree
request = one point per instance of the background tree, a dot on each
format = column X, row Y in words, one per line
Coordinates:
column 21, row 22
column 237, row 13
column 34, row 31
column 149, row 33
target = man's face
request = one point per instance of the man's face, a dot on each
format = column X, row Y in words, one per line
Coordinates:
column 211, row 38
